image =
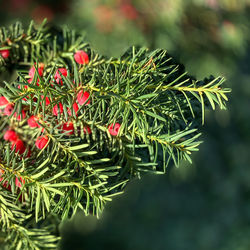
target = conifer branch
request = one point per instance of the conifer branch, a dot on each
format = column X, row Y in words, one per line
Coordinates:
column 77, row 126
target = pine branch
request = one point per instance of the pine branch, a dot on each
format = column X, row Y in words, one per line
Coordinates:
column 77, row 126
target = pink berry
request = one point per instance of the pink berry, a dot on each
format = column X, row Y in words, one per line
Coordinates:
column 10, row 135
column 55, row 109
column 81, row 57
column 5, row 53
column 58, row 77
column 20, row 148
column 42, row 141
column 75, row 107
column 8, row 109
column 82, row 97
column 68, row 126
column 3, row 101
column 114, row 129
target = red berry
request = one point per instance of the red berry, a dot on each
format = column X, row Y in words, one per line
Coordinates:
column 6, row 183
column 1, row 173
column 31, row 79
column 87, row 129
column 75, row 107
column 68, row 126
column 5, row 53
column 32, row 122
column 81, row 57
column 129, row 11
column 114, row 129
column 32, row 71
column 47, row 101
column 20, row 148
column 21, row 116
column 55, row 109
column 18, row 183
column 29, row 153
column 25, row 86
column 3, row 101
column 58, row 77
column 8, row 109
column 42, row 141
column 82, row 97
column 10, row 135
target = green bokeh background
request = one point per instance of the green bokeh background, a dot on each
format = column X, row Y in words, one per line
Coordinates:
column 202, row 206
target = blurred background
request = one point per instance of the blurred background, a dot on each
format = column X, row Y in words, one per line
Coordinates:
column 202, row 206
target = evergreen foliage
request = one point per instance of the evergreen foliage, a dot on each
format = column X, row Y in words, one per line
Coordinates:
column 72, row 158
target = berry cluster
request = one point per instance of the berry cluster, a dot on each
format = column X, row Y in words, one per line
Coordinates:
column 82, row 98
